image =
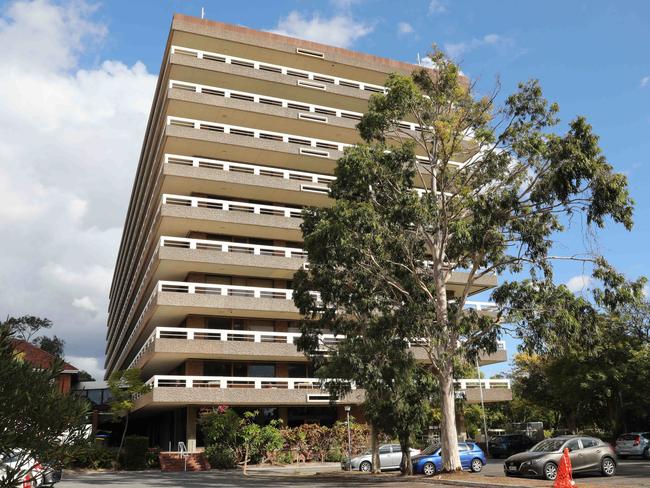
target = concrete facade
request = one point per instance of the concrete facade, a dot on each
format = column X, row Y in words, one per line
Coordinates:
column 244, row 131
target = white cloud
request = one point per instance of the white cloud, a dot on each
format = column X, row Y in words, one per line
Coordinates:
column 344, row 4
column 579, row 283
column 404, row 28
column 89, row 364
column 437, row 7
column 340, row 30
column 84, row 303
column 70, row 139
column 457, row 49
column 427, row 62
column 644, row 81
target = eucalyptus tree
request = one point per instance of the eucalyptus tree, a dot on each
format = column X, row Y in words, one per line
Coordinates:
column 474, row 187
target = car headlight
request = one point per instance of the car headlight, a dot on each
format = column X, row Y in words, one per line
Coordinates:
column 525, row 464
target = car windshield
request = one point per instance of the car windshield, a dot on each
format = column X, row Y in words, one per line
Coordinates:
column 549, row 445
column 430, row 449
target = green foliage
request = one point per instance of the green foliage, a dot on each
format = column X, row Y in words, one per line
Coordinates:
column 35, row 416
column 152, row 458
column 221, row 457
column 125, row 386
column 92, row 456
column 382, row 254
column 220, row 427
column 27, row 326
column 134, row 456
column 54, row 345
column 597, row 382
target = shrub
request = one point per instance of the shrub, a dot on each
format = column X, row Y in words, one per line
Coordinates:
column 134, row 456
column 93, row 456
column 334, row 456
column 220, row 457
column 220, row 426
column 153, row 458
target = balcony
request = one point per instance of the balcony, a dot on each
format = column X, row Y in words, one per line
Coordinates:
column 167, row 347
column 178, row 390
column 242, row 180
column 304, row 78
column 182, row 214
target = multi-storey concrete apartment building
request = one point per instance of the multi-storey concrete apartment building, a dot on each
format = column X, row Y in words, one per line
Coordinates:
column 244, row 131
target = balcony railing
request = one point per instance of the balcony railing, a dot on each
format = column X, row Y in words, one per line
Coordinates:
column 258, row 383
column 317, row 80
column 487, row 384
column 320, row 112
column 231, row 206
column 254, row 169
column 230, row 335
column 232, row 247
column 316, row 144
column 224, row 290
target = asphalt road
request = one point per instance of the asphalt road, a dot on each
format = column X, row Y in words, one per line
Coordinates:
column 631, row 474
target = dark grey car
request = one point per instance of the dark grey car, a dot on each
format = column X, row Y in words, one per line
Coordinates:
column 586, row 453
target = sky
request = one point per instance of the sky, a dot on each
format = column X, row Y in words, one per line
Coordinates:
column 77, row 80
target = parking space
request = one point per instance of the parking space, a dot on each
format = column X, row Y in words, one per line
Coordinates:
column 630, row 473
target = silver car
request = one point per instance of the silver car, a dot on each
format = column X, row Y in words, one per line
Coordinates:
column 633, row 444
column 390, row 457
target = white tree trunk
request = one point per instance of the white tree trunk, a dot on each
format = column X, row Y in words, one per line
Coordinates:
column 448, row 434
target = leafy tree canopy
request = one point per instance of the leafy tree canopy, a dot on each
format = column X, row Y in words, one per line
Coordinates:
column 476, row 189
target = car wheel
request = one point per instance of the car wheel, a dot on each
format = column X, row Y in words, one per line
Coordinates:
column 550, row 471
column 646, row 453
column 365, row 466
column 477, row 465
column 429, row 469
column 608, row 467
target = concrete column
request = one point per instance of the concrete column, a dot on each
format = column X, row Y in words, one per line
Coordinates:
column 190, row 428
column 194, row 367
column 194, row 322
column 283, row 414
column 281, row 370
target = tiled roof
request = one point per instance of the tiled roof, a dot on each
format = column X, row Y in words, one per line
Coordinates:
column 38, row 357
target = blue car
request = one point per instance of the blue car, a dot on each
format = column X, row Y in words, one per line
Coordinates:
column 429, row 461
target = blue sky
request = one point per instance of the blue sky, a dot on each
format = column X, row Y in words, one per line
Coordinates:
column 82, row 77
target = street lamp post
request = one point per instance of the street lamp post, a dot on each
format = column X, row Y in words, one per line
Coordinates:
column 347, row 411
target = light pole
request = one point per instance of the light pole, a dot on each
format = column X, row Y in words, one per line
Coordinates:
column 347, row 411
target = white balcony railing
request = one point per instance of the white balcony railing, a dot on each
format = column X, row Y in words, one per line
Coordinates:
column 487, row 384
column 320, row 112
column 230, row 335
column 258, row 134
column 231, row 206
column 258, row 383
column 224, row 290
column 318, row 80
column 226, row 382
column 232, row 247
column 254, row 169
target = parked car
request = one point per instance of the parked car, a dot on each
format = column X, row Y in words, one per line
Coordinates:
column 390, row 457
column 586, row 453
column 508, row 444
column 633, row 444
column 429, row 462
column 32, row 473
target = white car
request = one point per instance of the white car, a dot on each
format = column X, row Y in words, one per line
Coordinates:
column 390, row 457
column 30, row 474
column 633, row 444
